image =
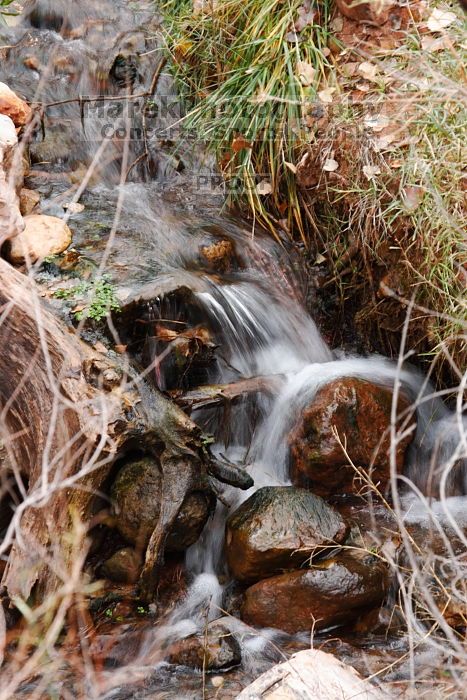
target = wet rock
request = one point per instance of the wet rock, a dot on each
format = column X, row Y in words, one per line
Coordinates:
column 360, row 412
column 332, row 592
column 42, row 236
column 13, row 106
column 372, row 11
column 311, row 675
column 216, row 650
column 28, row 201
column 277, row 528
column 137, row 494
column 123, row 567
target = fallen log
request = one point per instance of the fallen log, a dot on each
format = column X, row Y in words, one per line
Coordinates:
column 67, row 413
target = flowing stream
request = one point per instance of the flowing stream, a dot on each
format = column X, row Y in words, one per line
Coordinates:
column 255, row 310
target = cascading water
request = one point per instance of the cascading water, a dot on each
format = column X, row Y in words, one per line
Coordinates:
column 259, row 324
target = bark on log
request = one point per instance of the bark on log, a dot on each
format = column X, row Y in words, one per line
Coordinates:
column 66, row 414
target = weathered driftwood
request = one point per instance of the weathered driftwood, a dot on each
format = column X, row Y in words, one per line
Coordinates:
column 66, row 414
column 309, row 675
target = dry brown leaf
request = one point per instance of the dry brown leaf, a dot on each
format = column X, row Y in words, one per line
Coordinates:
column 438, row 43
column 330, row 165
column 376, row 122
column 412, row 196
column 326, row 95
column 440, row 19
column 264, row 187
column 291, row 167
column 240, row 144
column 337, row 24
column 370, row 171
column 306, row 73
column 368, row 70
column 363, row 87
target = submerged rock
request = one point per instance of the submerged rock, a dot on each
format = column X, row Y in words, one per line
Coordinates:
column 277, row 528
column 42, row 236
column 216, row 650
column 360, row 412
column 137, row 496
column 13, row 106
column 311, row 675
column 123, row 567
column 332, row 592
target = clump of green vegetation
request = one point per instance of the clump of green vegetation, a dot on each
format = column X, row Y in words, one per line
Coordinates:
column 247, row 69
column 404, row 213
column 99, row 299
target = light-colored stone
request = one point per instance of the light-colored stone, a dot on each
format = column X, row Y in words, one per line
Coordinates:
column 11, row 221
column 13, row 106
column 311, row 675
column 8, row 137
column 42, row 236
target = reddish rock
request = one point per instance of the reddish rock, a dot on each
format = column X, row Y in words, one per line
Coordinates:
column 332, row 592
column 360, row 412
column 277, row 528
column 13, row 106
column 372, row 11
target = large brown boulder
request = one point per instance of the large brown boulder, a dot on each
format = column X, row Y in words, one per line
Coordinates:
column 13, row 106
column 277, row 528
column 332, row 592
column 137, row 496
column 360, row 412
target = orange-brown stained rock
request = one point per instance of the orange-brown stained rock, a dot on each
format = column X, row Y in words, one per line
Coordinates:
column 219, row 256
column 360, row 412
column 13, row 106
column 333, row 592
column 277, row 528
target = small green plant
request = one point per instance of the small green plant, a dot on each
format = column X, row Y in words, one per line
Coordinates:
column 99, row 297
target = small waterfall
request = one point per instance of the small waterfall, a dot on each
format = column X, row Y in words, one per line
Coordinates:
column 259, row 323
